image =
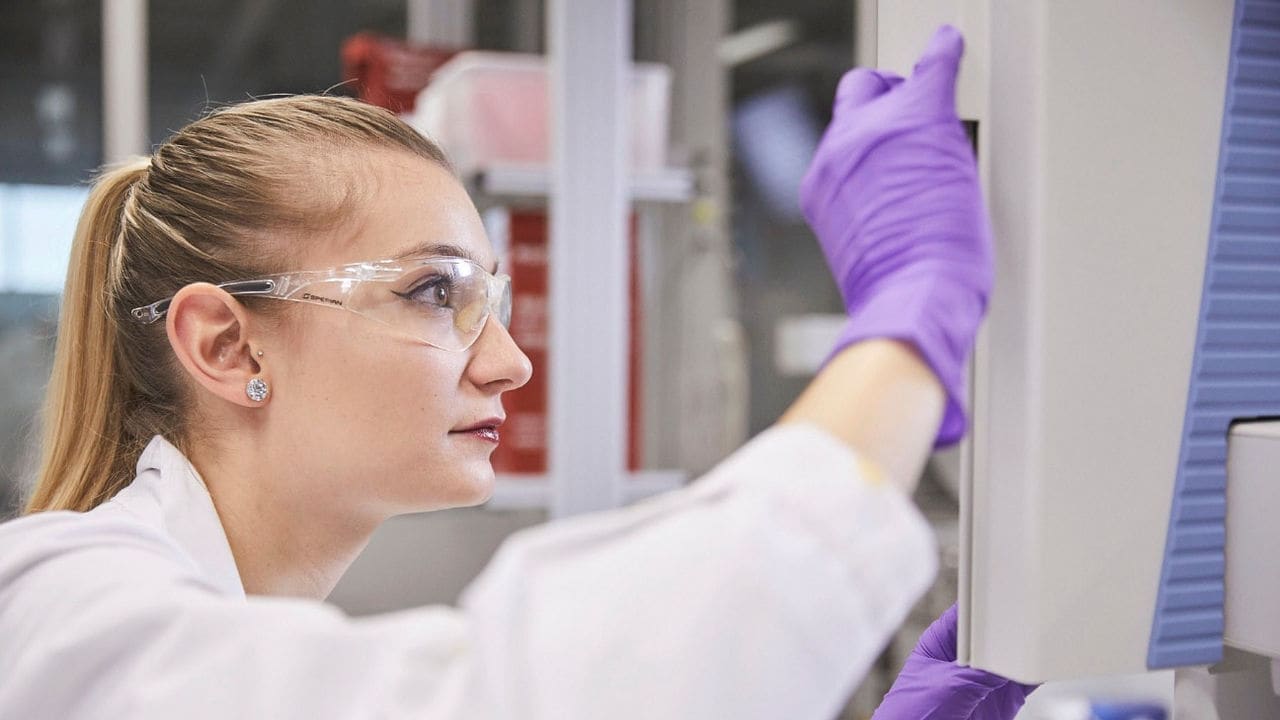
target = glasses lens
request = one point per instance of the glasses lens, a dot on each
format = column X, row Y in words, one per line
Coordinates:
column 504, row 303
column 443, row 302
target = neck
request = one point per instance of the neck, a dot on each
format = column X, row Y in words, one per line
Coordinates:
column 285, row 543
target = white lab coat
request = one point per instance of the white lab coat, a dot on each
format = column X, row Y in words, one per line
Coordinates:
column 764, row 590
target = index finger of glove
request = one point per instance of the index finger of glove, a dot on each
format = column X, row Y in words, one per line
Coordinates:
column 935, row 72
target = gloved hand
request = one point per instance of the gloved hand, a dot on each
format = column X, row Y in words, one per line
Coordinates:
column 932, row 686
column 893, row 196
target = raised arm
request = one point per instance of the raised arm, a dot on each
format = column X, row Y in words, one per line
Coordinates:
column 882, row 399
column 894, row 198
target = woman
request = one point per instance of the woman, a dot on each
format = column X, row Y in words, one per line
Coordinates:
column 228, row 455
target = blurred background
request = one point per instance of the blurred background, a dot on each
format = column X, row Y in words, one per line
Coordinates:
column 764, row 78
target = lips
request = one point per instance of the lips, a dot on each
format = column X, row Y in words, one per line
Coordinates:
column 486, row 429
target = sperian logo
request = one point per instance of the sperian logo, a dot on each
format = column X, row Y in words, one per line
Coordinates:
column 321, row 298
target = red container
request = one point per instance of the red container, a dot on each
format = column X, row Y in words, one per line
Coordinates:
column 524, row 435
column 388, row 72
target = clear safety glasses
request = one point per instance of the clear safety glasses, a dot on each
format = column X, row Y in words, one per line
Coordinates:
column 441, row 301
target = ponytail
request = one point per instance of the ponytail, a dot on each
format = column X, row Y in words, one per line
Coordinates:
column 82, row 462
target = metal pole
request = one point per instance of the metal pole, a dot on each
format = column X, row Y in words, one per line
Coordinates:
column 124, row 79
column 589, row 45
column 441, row 22
column 865, row 25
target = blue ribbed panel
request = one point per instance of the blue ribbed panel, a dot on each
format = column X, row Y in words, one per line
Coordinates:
column 1236, row 371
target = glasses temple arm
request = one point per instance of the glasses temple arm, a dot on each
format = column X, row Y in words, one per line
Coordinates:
column 148, row 314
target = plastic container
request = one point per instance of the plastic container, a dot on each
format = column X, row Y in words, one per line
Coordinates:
column 492, row 108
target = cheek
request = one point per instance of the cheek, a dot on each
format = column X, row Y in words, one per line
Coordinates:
column 413, row 463
column 409, row 388
column 356, row 383
column 370, row 418
column 384, row 385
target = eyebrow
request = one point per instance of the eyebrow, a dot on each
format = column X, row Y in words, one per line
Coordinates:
column 445, row 250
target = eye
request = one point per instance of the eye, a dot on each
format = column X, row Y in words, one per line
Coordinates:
column 436, row 291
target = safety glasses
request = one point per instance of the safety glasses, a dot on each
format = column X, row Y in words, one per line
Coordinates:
column 441, row 301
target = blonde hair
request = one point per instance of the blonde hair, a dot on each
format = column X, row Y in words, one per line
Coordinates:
column 198, row 210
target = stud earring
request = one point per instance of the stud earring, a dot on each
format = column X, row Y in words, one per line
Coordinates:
column 257, row 390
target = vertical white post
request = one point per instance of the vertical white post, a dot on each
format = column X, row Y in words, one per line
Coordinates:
column 441, row 22
column 589, row 43
column 124, row 79
column 865, row 27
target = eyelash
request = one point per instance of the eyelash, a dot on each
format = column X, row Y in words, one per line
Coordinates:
column 430, row 283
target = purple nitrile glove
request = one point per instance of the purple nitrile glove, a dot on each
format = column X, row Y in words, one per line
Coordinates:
column 894, row 198
column 932, row 686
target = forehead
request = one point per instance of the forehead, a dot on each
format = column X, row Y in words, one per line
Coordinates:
column 408, row 205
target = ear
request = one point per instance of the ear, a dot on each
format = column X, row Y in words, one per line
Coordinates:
column 209, row 332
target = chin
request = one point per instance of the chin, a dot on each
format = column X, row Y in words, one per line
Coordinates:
column 472, row 487
column 481, row 491
column 465, row 485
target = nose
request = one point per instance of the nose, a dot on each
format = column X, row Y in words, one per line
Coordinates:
column 497, row 363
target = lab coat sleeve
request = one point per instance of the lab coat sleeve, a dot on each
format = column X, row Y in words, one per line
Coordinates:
column 764, row 590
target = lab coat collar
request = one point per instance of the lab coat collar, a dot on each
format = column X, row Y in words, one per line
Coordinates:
column 168, row 483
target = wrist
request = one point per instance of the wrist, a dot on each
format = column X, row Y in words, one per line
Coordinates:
column 938, row 319
column 880, row 398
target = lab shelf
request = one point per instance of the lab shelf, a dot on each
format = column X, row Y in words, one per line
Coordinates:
column 667, row 185
column 522, row 492
column 497, row 185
